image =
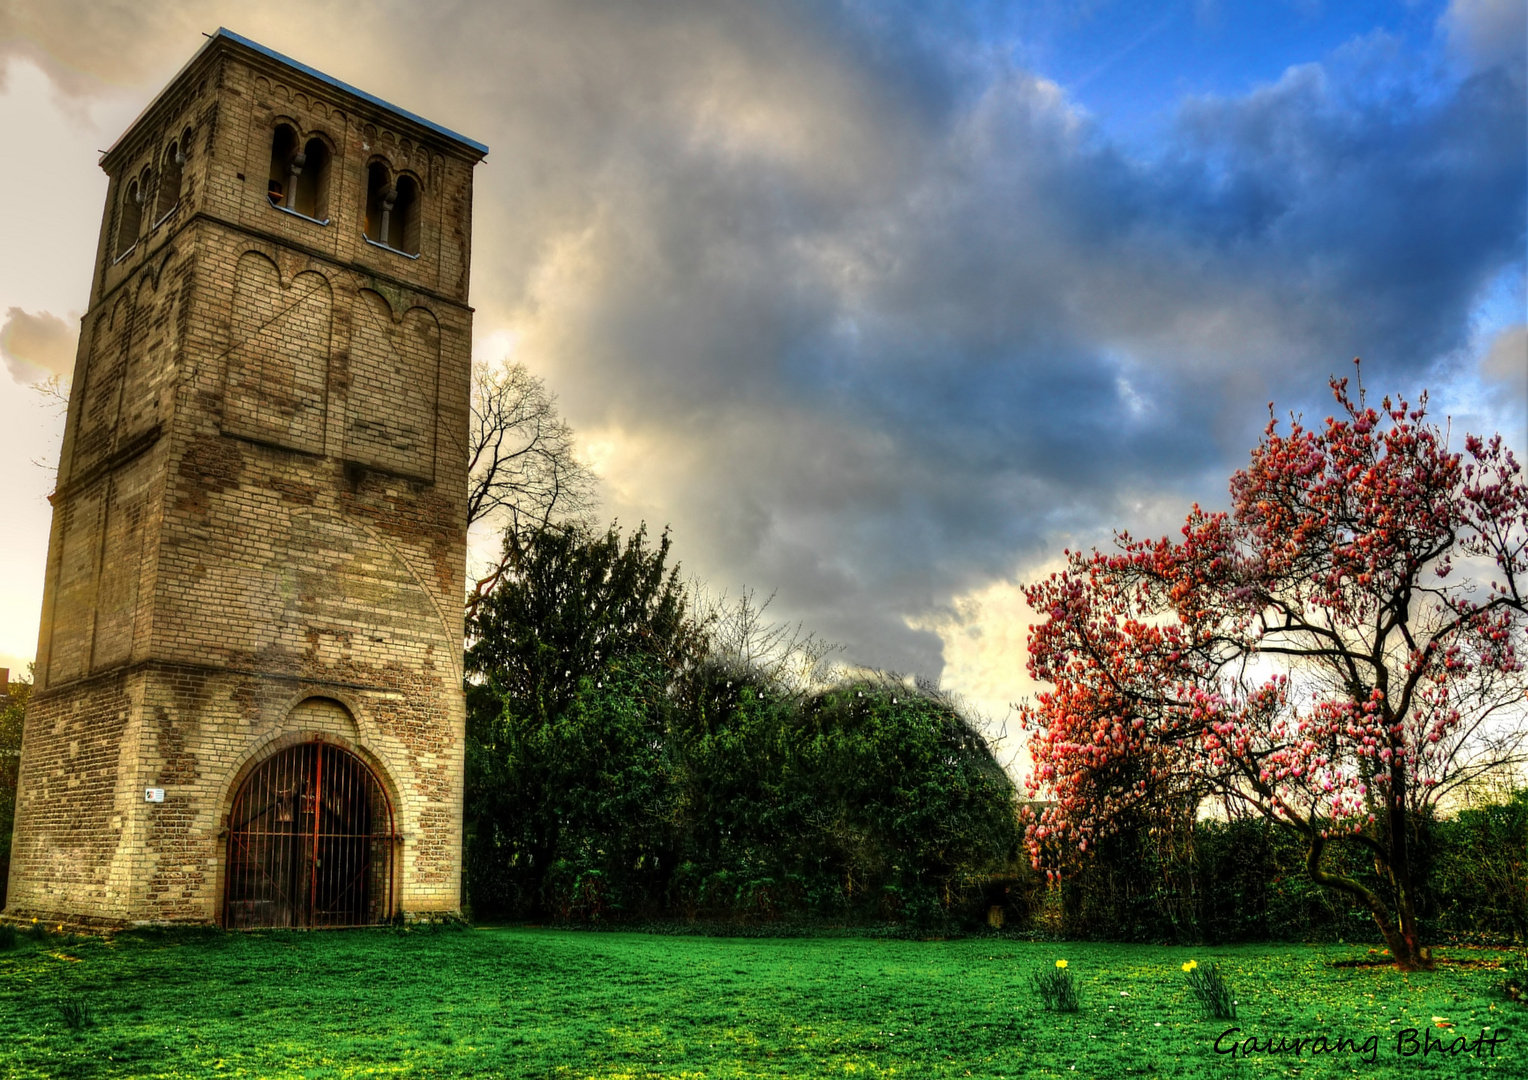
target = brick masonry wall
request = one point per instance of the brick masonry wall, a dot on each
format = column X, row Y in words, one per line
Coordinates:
column 259, row 529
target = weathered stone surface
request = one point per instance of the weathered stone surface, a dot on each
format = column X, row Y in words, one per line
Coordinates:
column 259, row 527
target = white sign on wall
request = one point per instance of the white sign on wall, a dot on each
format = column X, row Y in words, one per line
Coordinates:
column 153, row 794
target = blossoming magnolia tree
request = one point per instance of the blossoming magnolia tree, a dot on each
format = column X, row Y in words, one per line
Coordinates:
column 1335, row 654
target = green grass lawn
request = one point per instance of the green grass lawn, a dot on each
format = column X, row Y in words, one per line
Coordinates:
column 499, row 1001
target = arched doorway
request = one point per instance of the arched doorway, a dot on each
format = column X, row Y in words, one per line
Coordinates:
column 310, row 843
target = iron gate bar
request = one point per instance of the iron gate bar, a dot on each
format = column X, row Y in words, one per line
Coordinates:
column 318, row 810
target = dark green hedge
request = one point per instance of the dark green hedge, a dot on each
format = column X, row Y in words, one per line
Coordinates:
column 1246, row 881
column 730, row 800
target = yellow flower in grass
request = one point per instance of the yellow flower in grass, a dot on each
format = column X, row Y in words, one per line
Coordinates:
column 1191, row 965
column 1061, row 963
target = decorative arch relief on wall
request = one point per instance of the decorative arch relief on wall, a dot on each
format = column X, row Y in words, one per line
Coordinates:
column 351, row 598
column 101, row 393
column 126, row 369
column 279, row 93
column 276, row 389
column 394, row 385
column 145, row 370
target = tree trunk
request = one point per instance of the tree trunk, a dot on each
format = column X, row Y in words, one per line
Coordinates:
column 1402, row 939
column 1411, row 955
column 1415, row 956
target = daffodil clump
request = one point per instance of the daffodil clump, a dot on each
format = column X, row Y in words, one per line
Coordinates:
column 1058, row 989
column 76, row 1012
column 1212, row 991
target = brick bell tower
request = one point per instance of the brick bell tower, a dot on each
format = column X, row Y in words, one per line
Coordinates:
column 248, row 708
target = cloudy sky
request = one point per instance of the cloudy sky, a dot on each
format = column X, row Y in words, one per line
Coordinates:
column 880, row 305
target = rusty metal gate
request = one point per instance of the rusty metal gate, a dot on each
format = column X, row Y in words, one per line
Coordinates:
column 310, row 843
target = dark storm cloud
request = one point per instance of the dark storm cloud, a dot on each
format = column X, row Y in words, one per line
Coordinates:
column 1031, row 328
column 885, row 316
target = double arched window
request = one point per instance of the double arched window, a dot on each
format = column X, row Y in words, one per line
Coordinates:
column 299, row 176
column 392, row 209
column 141, row 195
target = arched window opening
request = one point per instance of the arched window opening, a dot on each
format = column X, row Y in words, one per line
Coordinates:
column 130, row 219
column 283, row 153
column 312, row 192
column 379, row 194
column 404, row 235
column 169, row 182
column 310, row 843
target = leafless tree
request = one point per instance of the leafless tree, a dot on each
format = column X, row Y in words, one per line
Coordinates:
column 53, row 393
column 742, row 637
column 524, row 470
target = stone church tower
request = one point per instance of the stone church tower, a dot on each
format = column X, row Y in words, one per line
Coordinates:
column 248, row 707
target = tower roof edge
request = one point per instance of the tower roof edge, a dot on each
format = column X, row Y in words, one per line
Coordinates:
column 225, row 35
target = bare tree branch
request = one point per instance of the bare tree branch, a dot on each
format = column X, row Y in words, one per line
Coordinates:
column 741, row 636
column 523, row 467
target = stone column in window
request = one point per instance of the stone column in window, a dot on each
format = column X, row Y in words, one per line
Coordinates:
column 294, row 170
